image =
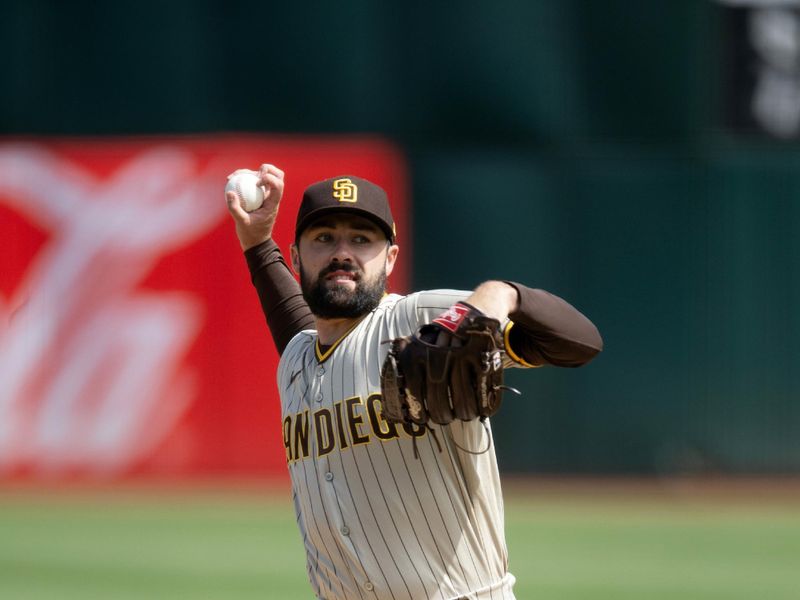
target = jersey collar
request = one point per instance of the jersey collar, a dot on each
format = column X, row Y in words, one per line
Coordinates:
column 323, row 356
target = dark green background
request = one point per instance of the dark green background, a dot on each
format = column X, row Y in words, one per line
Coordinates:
column 573, row 145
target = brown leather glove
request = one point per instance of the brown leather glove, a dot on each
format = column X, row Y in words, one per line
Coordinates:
column 450, row 368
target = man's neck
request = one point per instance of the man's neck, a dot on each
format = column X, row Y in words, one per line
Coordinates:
column 329, row 331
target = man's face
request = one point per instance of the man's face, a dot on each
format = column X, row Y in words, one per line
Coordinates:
column 343, row 263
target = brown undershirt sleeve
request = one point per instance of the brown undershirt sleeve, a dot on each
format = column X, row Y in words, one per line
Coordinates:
column 549, row 330
column 282, row 301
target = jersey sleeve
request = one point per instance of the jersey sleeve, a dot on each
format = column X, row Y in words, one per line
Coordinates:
column 546, row 329
column 281, row 299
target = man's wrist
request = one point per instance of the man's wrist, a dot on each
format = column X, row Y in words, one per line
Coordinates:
column 261, row 253
column 247, row 242
column 496, row 299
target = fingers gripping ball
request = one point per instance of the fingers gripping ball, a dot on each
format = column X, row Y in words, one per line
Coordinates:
column 246, row 186
column 451, row 368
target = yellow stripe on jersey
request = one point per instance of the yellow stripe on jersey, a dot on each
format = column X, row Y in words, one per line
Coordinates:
column 322, row 357
column 510, row 351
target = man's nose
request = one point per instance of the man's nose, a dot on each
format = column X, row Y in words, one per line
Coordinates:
column 342, row 252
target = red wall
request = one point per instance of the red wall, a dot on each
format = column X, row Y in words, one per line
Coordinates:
column 131, row 339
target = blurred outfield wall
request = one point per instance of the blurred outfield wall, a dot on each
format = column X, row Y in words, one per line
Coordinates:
column 132, row 341
column 595, row 149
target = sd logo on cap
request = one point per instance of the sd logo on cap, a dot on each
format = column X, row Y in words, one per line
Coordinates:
column 346, row 193
column 344, row 190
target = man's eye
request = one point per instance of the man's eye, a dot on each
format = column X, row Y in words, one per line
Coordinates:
column 361, row 239
column 324, row 237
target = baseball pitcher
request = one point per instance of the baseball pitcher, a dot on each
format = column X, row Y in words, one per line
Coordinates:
column 386, row 399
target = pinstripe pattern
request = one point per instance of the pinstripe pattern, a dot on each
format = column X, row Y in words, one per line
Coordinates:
column 377, row 522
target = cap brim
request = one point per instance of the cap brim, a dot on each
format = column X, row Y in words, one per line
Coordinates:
column 328, row 210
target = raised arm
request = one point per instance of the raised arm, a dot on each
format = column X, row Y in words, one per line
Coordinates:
column 278, row 291
column 544, row 329
column 452, row 366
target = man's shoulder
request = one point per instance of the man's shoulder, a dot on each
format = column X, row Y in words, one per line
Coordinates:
column 424, row 298
column 390, row 300
column 424, row 294
column 416, row 308
column 299, row 343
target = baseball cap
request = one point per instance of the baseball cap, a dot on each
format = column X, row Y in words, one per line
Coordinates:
column 349, row 194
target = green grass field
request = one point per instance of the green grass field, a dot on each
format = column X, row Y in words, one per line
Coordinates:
column 580, row 542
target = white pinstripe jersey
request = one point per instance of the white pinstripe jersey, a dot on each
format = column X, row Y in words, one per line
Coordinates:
column 377, row 522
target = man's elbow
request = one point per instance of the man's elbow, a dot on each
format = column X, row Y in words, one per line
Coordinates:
column 581, row 352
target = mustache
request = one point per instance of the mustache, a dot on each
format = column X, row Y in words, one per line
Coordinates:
column 337, row 266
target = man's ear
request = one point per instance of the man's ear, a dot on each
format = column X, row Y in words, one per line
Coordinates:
column 391, row 257
column 295, row 256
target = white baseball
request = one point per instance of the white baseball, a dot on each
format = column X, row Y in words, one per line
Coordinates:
column 246, row 187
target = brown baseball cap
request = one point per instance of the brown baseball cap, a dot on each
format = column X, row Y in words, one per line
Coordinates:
column 346, row 193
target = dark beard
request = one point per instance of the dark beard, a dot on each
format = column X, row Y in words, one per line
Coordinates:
column 338, row 302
